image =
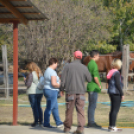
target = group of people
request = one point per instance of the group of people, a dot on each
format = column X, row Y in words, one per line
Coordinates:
column 72, row 82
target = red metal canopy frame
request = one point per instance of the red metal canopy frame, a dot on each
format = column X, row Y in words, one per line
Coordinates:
column 15, row 72
column 9, row 5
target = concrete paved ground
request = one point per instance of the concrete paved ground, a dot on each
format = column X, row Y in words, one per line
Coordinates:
column 4, row 129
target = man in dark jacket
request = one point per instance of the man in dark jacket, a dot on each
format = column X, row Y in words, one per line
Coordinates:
column 73, row 82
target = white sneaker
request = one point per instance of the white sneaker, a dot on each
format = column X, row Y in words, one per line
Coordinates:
column 59, row 126
column 114, row 129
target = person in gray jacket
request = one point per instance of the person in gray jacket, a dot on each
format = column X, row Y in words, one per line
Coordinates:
column 73, row 82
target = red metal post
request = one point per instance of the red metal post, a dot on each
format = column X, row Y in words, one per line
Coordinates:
column 15, row 72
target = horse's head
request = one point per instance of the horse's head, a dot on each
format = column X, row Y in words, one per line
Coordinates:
column 131, row 63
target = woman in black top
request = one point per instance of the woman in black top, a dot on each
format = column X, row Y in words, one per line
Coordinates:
column 115, row 93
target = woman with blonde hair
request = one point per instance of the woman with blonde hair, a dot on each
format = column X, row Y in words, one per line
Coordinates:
column 34, row 94
column 115, row 93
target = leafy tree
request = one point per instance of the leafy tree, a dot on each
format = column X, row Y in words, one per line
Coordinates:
column 122, row 12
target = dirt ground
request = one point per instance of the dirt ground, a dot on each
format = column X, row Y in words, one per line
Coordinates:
column 125, row 116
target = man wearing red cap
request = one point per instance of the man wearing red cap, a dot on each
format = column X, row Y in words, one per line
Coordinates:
column 73, row 82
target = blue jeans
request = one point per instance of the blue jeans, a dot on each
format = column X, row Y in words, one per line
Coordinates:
column 92, row 98
column 35, row 100
column 51, row 106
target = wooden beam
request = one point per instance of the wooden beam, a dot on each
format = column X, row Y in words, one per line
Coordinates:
column 12, row 9
column 38, row 19
column 2, row 7
column 21, row 13
column 30, row 13
column 132, row 59
column 3, row 20
column 17, row 0
column 131, row 74
column 19, row 7
column 24, row 7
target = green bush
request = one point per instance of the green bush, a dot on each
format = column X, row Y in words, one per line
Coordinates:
column 102, row 48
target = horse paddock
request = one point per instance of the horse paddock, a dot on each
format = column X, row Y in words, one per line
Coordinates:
column 125, row 116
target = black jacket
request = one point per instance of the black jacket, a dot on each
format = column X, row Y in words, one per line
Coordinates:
column 115, row 84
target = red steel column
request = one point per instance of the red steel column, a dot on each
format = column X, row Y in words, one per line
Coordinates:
column 15, row 72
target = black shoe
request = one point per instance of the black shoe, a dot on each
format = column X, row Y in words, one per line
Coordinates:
column 94, row 125
column 77, row 132
column 40, row 124
column 34, row 124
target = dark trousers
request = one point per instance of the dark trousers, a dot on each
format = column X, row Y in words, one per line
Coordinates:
column 115, row 106
column 72, row 101
column 35, row 100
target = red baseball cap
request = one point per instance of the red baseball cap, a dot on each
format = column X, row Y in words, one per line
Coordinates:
column 78, row 54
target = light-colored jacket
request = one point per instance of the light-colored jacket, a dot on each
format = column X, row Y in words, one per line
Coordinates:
column 33, row 88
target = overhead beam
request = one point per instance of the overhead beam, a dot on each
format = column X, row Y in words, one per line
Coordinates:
column 12, row 9
column 17, row 0
column 131, row 74
column 19, row 7
column 3, row 20
column 131, row 59
column 24, row 7
column 21, row 13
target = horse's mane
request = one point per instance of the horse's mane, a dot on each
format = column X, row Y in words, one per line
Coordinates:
column 116, row 53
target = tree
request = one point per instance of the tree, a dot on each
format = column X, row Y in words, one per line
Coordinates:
column 123, row 21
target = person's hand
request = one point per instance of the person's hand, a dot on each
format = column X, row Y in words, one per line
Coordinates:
column 61, row 93
column 122, row 98
column 24, row 79
column 100, row 86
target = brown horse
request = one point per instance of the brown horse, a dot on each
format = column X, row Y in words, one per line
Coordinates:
column 104, row 63
column 131, row 67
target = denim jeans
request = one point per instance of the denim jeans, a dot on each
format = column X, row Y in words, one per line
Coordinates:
column 92, row 98
column 51, row 106
column 35, row 100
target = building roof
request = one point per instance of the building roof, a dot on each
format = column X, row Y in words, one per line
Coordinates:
column 19, row 10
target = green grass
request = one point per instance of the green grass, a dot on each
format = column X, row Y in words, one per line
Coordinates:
column 125, row 117
column 20, row 79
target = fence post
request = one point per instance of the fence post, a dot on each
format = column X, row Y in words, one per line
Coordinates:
column 5, row 69
column 128, row 61
column 125, row 66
